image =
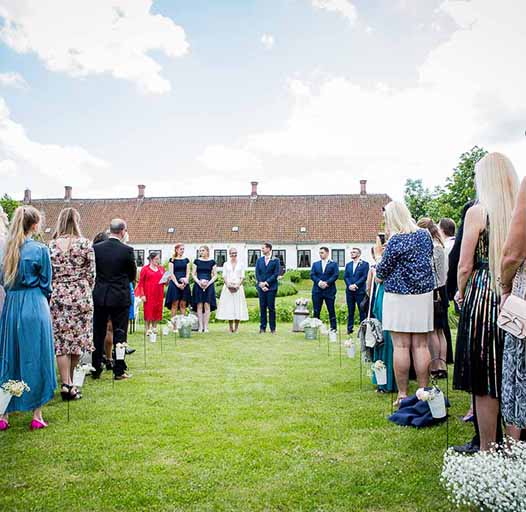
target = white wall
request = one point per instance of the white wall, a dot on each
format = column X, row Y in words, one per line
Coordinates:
column 243, row 248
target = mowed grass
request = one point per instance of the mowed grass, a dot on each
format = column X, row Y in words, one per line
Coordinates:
column 223, row 422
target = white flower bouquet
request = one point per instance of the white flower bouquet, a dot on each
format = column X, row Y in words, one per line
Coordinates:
column 186, row 321
column 435, row 399
column 120, row 351
column 490, row 481
column 10, row 389
column 312, row 323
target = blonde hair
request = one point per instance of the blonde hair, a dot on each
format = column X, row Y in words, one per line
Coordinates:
column 68, row 223
column 398, row 219
column 207, row 249
column 4, row 223
column 497, row 187
column 24, row 219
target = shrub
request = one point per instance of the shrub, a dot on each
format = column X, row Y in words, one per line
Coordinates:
column 293, row 276
column 305, row 274
column 286, row 289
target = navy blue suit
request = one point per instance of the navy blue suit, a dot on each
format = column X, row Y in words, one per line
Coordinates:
column 319, row 295
column 359, row 278
column 267, row 300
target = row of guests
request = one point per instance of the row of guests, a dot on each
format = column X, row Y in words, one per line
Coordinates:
column 491, row 243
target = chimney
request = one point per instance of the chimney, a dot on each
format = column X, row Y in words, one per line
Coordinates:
column 363, row 187
column 67, row 193
column 254, row 193
column 141, row 188
column 27, row 196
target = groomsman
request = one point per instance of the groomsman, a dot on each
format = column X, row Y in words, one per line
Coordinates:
column 355, row 277
column 267, row 273
column 324, row 274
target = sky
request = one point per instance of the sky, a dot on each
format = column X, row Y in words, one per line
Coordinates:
column 201, row 97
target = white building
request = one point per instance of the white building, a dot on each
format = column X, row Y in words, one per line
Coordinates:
column 297, row 226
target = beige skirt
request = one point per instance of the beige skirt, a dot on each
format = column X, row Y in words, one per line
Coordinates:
column 407, row 313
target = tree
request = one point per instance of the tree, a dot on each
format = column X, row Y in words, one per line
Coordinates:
column 417, row 198
column 9, row 205
column 447, row 201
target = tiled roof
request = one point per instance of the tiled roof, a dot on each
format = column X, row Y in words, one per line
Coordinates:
column 279, row 219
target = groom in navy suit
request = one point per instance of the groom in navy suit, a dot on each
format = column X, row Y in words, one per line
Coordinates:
column 324, row 274
column 267, row 273
column 355, row 277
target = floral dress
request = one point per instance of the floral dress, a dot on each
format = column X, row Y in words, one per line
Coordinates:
column 72, row 301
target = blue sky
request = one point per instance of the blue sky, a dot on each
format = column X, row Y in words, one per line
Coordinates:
column 189, row 100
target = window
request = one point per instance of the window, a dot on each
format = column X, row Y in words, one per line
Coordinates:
column 220, row 257
column 304, row 259
column 338, row 255
column 253, row 255
column 139, row 257
column 281, row 254
column 158, row 252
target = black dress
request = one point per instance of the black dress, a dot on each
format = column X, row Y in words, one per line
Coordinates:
column 173, row 293
column 208, row 296
column 480, row 343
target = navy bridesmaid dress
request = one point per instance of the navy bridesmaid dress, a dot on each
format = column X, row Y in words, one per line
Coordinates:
column 208, row 296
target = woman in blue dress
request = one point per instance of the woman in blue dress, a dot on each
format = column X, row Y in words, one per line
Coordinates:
column 26, row 333
column 178, row 295
column 204, row 293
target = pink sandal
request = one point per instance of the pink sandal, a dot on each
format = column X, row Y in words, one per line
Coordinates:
column 4, row 425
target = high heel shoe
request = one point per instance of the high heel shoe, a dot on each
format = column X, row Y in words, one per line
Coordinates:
column 64, row 394
column 4, row 425
column 72, row 393
column 37, row 425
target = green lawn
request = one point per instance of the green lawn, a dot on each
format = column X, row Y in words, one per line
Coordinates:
column 223, row 422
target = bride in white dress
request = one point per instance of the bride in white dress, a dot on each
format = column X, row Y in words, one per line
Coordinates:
column 232, row 303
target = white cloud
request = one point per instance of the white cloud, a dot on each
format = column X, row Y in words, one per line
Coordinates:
column 470, row 91
column 267, row 40
column 94, row 37
column 344, row 7
column 232, row 160
column 12, row 79
column 19, row 153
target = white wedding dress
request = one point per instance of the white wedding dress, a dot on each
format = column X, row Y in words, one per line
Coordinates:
column 232, row 306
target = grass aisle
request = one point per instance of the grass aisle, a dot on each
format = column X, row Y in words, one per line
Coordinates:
column 223, row 422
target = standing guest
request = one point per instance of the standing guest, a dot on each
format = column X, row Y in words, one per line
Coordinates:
column 447, row 231
column 232, row 303
column 267, row 274
column 384, row 351
column 407, row 274
column 513, row 280
column 440, row 345
column 178, row 295
column 355, row 276
column 151, row 292
column 73, row 263
column 4, row 224
column 115, row 270
column 324, row 275
column 26, row 333
column 485, row 230
column 204, row 273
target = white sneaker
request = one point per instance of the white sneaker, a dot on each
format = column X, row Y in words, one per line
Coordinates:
column 206, row 330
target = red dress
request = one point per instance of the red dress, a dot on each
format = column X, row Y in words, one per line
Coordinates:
column 150, row 288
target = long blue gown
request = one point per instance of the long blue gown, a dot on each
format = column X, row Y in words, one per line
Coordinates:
column 26, row 334
column 384, row 351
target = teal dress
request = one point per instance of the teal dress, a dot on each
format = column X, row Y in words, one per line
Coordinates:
column 384, row 352
column 26, row 334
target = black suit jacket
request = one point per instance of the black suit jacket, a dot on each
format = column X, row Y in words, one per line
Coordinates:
column 116, row 269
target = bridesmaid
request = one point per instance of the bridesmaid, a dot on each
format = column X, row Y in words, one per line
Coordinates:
column 151, row 293
column 178, row 295
column 26, row 334
column 204, row 293
column 73, row 263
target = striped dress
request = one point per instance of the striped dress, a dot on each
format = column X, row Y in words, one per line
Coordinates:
column 478, row 357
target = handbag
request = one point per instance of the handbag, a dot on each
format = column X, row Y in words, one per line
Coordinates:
column 512, row 318
column 373, row 328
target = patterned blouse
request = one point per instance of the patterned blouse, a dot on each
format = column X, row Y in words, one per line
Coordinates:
column 406, row 267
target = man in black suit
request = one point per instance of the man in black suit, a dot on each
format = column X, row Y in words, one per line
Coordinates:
column 116, row 269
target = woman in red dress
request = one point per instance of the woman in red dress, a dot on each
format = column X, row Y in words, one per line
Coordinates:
column 151, row 294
